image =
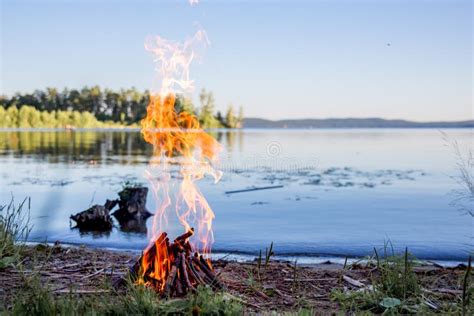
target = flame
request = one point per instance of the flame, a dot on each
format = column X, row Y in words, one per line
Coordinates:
column 178, row 142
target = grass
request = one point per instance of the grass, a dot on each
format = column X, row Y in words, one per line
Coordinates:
column 14, row 230
column 36, row 298
column 395, row 289
column 464, row 164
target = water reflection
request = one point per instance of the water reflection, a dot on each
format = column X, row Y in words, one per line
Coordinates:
column 91, row 146
column 71, row 146
column 137, row 225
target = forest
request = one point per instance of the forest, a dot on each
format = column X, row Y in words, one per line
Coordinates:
column 93, row 107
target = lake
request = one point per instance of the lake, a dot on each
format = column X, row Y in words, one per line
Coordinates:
column 344, row 191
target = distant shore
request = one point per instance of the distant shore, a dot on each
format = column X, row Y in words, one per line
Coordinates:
column 334, row 123
column 137, row 129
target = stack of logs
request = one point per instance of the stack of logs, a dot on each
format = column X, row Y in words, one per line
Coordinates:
column 183, row 269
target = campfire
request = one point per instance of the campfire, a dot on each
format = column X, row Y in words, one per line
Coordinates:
column 180, row 145
column 174, row 269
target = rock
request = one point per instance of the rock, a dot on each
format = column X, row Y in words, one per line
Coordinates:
column 96, row 218
column 132, row 204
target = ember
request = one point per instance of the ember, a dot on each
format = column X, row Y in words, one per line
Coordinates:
column 174, row 269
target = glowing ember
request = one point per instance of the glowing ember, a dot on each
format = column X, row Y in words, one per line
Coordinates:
column 179, row 144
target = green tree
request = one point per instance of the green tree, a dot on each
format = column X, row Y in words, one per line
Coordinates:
column 52, row 99
column 23, row 116
column 183, row 104
column 206, row 112
column 240, row 117
column 34, row 118
column 12, row 116
column 88, row 120
column 3, row 117
column 220, row 118
column 62, row 118
column 230, row 119
column 76, row 119
column 48, row 119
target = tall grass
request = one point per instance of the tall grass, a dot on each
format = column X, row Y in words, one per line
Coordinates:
column 464, row 164
column 14, row 231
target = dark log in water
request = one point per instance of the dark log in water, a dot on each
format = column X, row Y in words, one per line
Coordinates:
column 95, row 218
column 132, row 204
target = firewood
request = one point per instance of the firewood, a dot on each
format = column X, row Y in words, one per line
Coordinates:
column 184, row 272
column 185, row 236
column 150, row 252
column 195, row 273
column 170, row 281
column 211, row 278
column 178, row 286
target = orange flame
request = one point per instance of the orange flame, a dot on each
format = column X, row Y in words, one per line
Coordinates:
column 178, row 140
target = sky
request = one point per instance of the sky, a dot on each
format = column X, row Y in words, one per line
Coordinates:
column 277, row 59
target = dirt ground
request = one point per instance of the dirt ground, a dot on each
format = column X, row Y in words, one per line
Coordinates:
column 278, row 286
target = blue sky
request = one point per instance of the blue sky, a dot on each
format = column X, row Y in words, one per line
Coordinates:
column 278, row 59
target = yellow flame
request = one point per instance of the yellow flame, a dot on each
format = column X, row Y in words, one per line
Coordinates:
column 178, row 140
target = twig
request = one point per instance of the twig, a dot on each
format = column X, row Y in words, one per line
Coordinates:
column 95, row 273
column 353, row 281
column 255, row 189
column 81, row 291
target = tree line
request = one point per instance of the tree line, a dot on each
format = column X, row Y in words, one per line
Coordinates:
column 28, row 117
column 49, row 108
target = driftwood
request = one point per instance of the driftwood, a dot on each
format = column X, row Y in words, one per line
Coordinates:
column 95, row 218
column 255, row 189
column 186, row 270
column 131, row 214
column 132, row 204
column 352, row 281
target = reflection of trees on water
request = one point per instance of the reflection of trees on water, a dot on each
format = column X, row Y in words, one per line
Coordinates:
column 72, row 146
column 102, row 147
column 229, row 138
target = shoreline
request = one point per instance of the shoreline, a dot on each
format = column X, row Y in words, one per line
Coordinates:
column 137, row 129
column 280, row 286
column 243, row 257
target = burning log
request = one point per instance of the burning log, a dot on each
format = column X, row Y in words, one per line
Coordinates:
column 172, row 269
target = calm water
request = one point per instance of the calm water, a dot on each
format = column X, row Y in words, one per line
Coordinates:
column 344, row 191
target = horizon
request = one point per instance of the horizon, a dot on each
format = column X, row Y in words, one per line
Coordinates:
column 390, row 60
column 356, row 118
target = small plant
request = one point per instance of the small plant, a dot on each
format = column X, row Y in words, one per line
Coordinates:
column 295, row 276
column 397, row 278
column 206, row 302
column 466, row 290
column 259, row 264
column 268, row 254
column 14, row 230
column 253, row 284
column 394, row 289
column 129, row 184
column 33, row 299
